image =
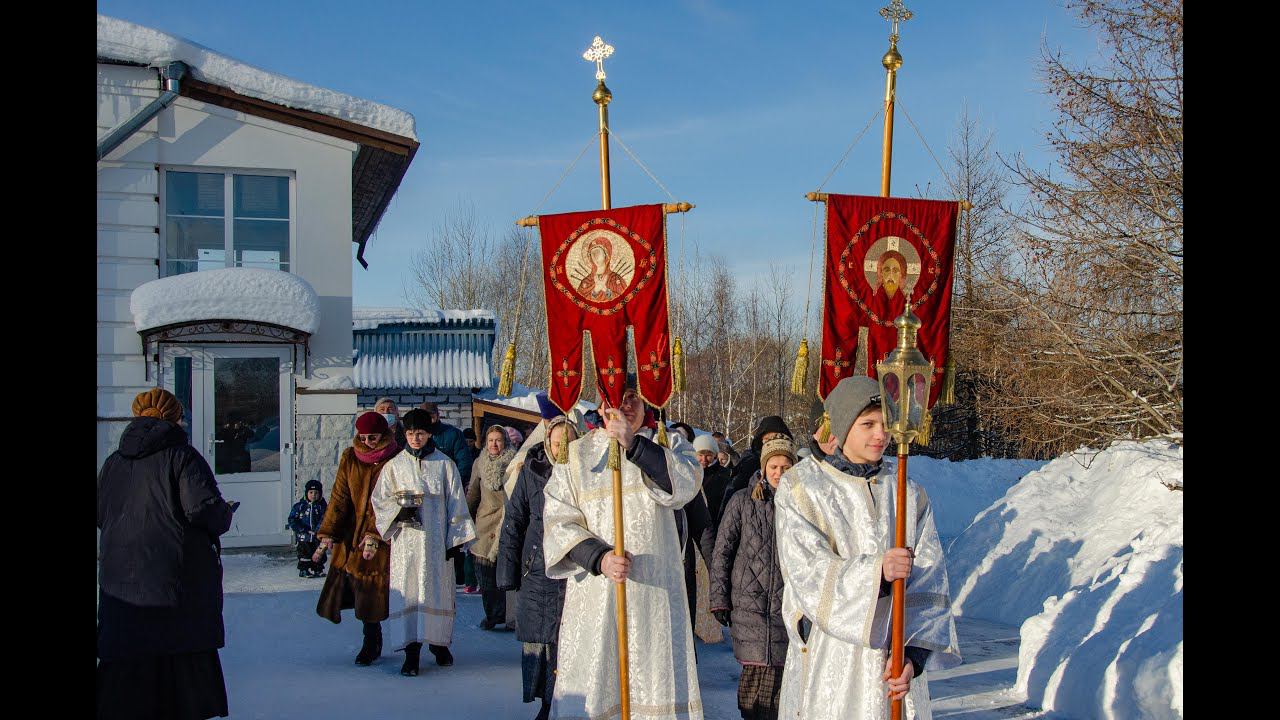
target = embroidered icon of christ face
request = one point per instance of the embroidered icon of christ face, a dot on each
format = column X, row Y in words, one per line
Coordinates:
column 890, row 270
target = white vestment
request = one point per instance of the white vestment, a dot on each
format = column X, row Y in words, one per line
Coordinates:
column 422, row 592
column 833, row 530
column 579, row 505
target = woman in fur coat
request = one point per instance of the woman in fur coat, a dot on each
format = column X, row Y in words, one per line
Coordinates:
column 359, row 575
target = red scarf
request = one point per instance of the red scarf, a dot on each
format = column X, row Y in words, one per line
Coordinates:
column 369, row 456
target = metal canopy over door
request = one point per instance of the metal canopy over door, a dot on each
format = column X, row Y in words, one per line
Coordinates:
column 240, row 416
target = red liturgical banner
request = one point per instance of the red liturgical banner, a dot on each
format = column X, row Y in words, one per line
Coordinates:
column 880, row 251
column 602, row 271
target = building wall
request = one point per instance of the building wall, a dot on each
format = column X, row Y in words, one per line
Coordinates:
column 193, row 134
column 454, row 403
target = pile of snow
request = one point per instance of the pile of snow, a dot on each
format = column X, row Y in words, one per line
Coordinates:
column 958, row 491
column 524, row 397
column 1086, row 555
column 254, row 294
column 123, row 40
column 368, row 318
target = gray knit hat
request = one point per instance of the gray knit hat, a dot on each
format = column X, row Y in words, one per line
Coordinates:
column 847, row 400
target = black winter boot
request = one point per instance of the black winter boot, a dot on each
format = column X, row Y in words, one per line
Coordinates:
column 545, row 712
column 372, row 646
column 444, row 658
column 410, row 667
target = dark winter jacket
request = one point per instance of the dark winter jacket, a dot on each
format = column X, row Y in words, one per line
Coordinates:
column 746, row 578
column 715, row 480
column 305, row 518
column 161, row 514
column 449, row 440
column 520, row 563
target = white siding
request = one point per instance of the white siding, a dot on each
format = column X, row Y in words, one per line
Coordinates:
column 190, row 134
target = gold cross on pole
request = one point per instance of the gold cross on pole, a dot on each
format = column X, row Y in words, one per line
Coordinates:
column 895, row 12
column 596, row 54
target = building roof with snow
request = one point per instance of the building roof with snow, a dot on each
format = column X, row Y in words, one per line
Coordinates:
column 387, row 136
column 404, row 349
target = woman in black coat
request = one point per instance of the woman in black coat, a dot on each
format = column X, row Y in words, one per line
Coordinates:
column 746, row 584
column 160, row 581
column 520, row 565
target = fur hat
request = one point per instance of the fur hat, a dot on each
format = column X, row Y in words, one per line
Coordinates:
column 705, row 443
column 777, row 446
column 371, row 422
column 313, row 485
column 847, row 400
column 158, row 403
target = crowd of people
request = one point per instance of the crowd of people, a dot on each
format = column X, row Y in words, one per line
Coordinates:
column 793, row 540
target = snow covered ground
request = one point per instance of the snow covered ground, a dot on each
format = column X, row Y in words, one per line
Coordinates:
column 283, row 661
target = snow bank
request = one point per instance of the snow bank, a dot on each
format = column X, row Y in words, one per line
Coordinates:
column 368, row 318
column 1086, row 555
column 958, row 491
column 256, row 294
column 338, row 382
column 123, row 40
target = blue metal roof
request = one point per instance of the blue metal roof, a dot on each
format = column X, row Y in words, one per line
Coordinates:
column 406, row 350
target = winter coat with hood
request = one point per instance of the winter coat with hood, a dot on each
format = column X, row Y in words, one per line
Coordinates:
column 746, row 578
column 520, row 562
column 161, row 515
column 305, row 516
column 486, row 500
column 348, row 519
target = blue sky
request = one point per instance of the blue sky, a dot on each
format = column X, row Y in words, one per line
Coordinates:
column 738, row 107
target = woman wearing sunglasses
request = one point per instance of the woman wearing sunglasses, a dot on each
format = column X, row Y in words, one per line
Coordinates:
column 358, row 577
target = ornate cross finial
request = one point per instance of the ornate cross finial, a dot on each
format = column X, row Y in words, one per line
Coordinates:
column 599, row 51
column 895, row 12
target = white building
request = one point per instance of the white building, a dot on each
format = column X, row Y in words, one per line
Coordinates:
column 208, row 164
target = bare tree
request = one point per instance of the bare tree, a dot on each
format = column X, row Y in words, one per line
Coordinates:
column 1096, row 306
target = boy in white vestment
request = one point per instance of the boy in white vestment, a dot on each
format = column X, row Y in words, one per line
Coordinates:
column 835, row 526
column 421, row 512
column 578, row 534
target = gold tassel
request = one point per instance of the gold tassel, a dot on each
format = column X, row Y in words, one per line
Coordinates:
column 615, row 455
column 948, row 394
column 508, row 375
column 677, row 366
column 662, row 434
column 562, row 456
column 800, row 376
column 926, row 430
column 824, row 430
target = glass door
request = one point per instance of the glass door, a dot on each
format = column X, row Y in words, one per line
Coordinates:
column 240, row 405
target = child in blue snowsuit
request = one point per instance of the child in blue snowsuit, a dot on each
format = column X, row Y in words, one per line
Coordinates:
column 304, row 520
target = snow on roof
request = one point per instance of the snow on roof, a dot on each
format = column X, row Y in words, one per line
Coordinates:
column 523, row 397
column 368, row 318
column 337, row 382
column 255, row 294
column 123, row 40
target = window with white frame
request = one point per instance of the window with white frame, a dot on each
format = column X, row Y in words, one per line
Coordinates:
column 200, row 233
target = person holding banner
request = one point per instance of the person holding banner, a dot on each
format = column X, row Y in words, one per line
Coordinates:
column 578, row 519
column 835, row 520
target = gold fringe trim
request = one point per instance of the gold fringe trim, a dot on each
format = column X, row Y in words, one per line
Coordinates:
column 508, row 375
column 948, row 394
column 677, row 366
column 824, row 430
column 800, row 376
column 662, row 438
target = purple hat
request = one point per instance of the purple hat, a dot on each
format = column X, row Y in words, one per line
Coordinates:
column 547, row 408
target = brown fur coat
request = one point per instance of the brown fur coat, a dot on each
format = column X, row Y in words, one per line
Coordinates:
column 354, row 582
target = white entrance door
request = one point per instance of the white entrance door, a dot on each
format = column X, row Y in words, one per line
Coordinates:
column 240, row 415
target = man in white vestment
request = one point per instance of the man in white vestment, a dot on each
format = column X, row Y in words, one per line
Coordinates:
column 425, row 540
column 578, row 535
column 835, row 526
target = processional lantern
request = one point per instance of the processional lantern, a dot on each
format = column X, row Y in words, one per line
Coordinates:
column 905, row 379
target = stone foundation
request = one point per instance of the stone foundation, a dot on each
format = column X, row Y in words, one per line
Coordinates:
column 320, row 442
